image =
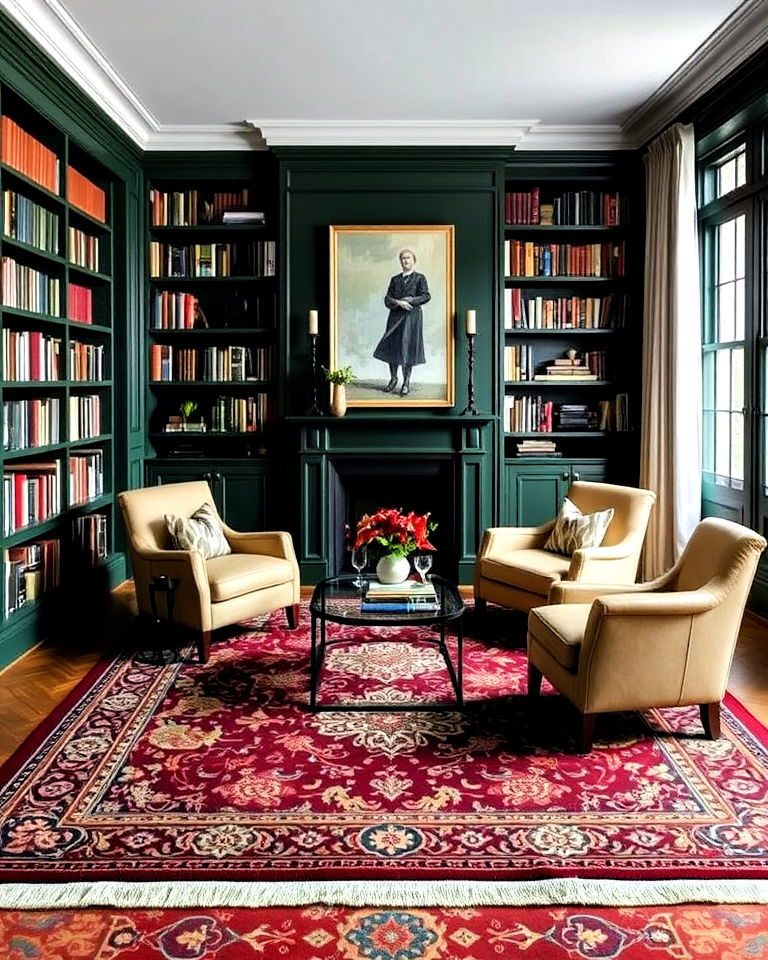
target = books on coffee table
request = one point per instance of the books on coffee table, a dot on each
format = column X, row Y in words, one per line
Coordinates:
column 411, row 596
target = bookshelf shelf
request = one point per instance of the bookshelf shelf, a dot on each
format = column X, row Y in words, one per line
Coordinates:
column 567, row 301
column 217, row 384
column 210, row 228
column 186, row 281
column 37, row 477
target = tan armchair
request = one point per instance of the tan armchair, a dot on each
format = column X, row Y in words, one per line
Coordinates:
column 260, row 575
column 665, row 643
column 514, row 570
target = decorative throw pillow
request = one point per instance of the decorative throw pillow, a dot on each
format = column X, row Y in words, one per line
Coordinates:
column 574, row 530
column 202, row 532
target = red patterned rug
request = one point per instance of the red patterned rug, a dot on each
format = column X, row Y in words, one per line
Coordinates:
column 337, row 933
column 220, row 771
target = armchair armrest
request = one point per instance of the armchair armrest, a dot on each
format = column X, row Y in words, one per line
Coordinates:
column 686, row 603
column 568, row 591
column 505, row 539
column 185, row 565
column 271, row 543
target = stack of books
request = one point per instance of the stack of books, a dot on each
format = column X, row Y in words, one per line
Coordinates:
column 568, row 370
column 538, row 448
column 411, row 596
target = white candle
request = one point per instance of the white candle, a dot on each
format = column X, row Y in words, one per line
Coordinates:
column 471, row 322
column 313, row 327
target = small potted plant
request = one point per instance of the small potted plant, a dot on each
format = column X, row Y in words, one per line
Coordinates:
column 186, row 409
column 338, row 380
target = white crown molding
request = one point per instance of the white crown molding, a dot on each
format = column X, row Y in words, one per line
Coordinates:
column 321, row 133
column 51, row 26
column 737, row 38
column 608, row 136
column 214, row 136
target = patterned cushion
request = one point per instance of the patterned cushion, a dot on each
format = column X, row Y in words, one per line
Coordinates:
column 574, row 530
column 202, row 532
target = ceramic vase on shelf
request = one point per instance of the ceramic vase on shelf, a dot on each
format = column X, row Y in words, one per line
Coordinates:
column 391, row 569
column 338, row 399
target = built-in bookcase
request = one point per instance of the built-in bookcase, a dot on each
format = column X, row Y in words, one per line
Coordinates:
column 571, row 315
column 56, row 312
column 211, row 322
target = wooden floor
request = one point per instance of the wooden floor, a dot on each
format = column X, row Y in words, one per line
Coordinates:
column 32, row 687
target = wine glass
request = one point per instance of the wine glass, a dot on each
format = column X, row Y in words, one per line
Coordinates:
column 422, row 562
column 359, row 559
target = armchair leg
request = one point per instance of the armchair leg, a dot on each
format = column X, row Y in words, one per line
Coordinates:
column 587, row 732
column 710, row 719
column 204, row 645
column 481, row 607
column 292, row 616
column 534, row 680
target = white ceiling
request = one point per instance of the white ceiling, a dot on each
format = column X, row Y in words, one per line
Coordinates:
column 398, row 71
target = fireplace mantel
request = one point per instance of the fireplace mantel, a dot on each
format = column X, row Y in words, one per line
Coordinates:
column 464, row 443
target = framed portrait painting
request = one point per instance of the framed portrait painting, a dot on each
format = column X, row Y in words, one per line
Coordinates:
column 392, row 313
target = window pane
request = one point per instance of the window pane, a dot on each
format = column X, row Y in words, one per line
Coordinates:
column 708, row 442
column 723, row 381
column 726, row 247
column 726, row 313
column 737, row 447
column 708, row 381
column 722, row 444
column 741, row 169
column 740, row 248
column 727, row 177
column 738, row 333
column 730, row 172
column 737, row 379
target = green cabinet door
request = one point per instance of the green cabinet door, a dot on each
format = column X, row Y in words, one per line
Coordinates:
column 535, row 488
column 239, row 488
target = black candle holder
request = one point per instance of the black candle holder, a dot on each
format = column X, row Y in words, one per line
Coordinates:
column 470, row 407
column 314, row 408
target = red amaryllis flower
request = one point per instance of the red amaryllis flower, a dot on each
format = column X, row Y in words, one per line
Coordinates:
column 392, row 532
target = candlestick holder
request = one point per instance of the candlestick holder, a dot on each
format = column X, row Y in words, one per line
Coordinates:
column 470, row 407
column 314, row 408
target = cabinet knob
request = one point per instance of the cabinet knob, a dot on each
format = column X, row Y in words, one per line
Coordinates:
column 217, row 476
column 577, row 476
column 565, row 475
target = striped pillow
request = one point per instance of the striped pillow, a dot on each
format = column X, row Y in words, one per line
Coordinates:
column 574, row 530
column 202, row 532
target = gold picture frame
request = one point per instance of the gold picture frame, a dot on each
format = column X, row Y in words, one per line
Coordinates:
column 392, row 313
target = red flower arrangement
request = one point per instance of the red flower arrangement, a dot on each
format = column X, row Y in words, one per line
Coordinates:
column 391, row 532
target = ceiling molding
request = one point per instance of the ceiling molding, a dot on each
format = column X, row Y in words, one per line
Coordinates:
column 214, row 136
column 396, row 133
column 53, row 29
column 737, row 38
column 609, row 136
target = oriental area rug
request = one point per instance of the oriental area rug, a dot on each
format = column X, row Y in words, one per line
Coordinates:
column 217, row 773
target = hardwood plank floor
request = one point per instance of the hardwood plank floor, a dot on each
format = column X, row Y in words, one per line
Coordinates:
column 36, row 683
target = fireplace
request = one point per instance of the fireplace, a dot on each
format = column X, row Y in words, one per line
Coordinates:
column 363, row 485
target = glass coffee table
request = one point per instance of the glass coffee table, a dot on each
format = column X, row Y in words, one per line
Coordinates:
column 337, row 600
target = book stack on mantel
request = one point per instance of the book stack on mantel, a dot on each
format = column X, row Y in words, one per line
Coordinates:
column 569, row 370
column 411, row 596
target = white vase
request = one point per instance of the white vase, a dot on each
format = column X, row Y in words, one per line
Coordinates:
column 393, row 569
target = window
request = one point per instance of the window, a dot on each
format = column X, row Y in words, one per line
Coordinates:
column 732, row 209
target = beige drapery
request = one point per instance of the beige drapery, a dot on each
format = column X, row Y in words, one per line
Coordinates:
column 670, row 442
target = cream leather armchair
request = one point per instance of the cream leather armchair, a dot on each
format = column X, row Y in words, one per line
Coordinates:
column 665, row 643
column 514, row 570
column 260, row 575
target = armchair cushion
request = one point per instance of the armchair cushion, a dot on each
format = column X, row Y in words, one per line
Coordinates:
column 531, row 570
column 238, row 574
column 202, row 532
column 574, row 530
column 560, row 631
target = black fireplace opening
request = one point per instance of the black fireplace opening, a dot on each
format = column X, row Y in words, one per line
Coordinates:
column 365, row 485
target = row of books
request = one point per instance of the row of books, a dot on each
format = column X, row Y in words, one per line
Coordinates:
column 31, row 423
column 227, row 415
column 86, row 196
column 86, row 476
column 90, row 534
column 25, row 153
column 254, row 259
column 569, row 208
column 30, row 571
column 527, row 414
column 27, row 221
column 412, row 596
column 80, row 303
column 232, row 363
column 83, row 249
column 31, row 355
column 176, row 311
column 525, row 258
column 86, row 361
column 520, row 365
column 25, row 288
column 85, row 417
column 190, row 208
column 563, row 313
column 31, row 494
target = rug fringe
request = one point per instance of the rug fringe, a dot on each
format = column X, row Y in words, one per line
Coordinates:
column 373, row 893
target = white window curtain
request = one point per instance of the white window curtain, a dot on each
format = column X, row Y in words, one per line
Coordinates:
column 670, row 442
